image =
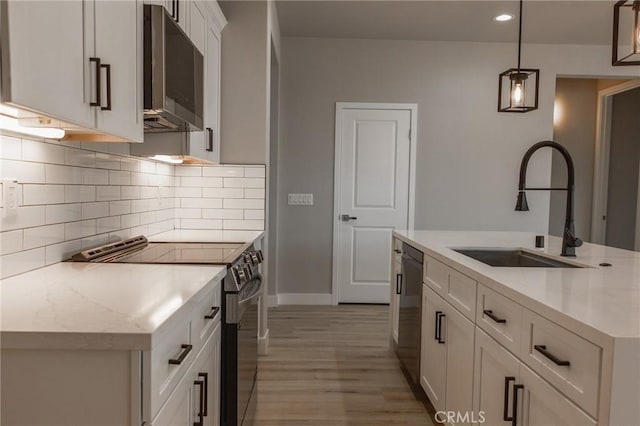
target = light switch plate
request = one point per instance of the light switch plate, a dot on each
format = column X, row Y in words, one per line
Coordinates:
column 9, row 197
column 300, row 199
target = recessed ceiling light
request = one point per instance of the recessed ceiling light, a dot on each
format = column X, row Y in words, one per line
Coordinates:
column 503, row 18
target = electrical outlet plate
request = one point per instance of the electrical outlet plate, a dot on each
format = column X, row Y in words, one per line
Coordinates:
column 9, row 197
column 300, row 199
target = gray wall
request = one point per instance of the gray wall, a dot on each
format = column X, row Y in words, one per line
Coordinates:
column 244, row 83
column 623, row 170
column 576, row 130
column 468, row 155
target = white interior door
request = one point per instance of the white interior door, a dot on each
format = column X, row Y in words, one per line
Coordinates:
column 373, row 153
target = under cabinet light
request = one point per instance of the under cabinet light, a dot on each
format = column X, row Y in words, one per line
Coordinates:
column 168, row 159
column 12, row 124
column 503, row 17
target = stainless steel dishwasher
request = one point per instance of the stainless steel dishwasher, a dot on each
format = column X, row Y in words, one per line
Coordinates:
column 410, row 288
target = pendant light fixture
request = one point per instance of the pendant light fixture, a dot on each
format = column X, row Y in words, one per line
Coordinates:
column 626, row 33
column 518, row 87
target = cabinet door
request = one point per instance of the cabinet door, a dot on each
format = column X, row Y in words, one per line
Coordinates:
column 208, row 367
column 118, row 32
column 458, row 333
column 212, row 94
column 198, row 25
column 542, row 405
column 496, row 371
column 433, row 355
column 49, row 64
column 177, row 410
column 396, row 282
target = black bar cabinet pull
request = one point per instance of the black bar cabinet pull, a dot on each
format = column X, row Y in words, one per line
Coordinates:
column 436, row 322
column 107, row 67
column 210, row 140
column 205, row 376
column 185, row 351
column 557, row 361
column 514, row 415
column 398, row 283
column 200, row 414
column 212, row 314
column 440, row 328
column 491, row 315
column 505, row 413
column 98, row 85
column 178, row 11
column 397, row 251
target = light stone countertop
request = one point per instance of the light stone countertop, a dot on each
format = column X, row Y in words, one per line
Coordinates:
column 604, row 299
column 98, row 305
column 206, row 236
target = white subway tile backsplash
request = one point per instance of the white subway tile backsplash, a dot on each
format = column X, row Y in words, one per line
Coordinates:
column 42, row 194
column 108, row 224
column 79, row 157
column 223, row 193
column 79, row 193
column 107, row 193
column 95, row 210
column 10, row 241
column 201, row 203
column 60, row 213
column 254, row 172
column 23, row 171
column 10, row 148
column 42, row 152
column 243, row 183
column 243, row 203
column 72, row 197
column 254, row 214
column 222, row 214
column 245, row 225
column 43, row 236
column 200, row 224
column 223, row 171
column 208, row 182
column 118, row 177
column 58, row 252
column 62, row 174
column 26, row 217
column 23, row 261
column 254, row 193
column 79, row 229
column 188, row 171
column 130, row 192
column 119, row 207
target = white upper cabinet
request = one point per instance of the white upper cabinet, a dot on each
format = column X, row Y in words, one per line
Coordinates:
column 48, row 70
column 78, row 62
column 198, row 25
column 119, row 24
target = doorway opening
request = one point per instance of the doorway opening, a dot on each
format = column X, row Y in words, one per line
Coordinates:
column 597, row 120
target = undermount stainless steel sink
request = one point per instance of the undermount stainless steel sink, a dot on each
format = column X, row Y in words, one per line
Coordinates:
column 512, row 258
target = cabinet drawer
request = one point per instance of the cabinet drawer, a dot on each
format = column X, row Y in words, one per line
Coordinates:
column 499, row 317
column 162, row 376
column 546, row 346
column 202, row 325
column 454, row 287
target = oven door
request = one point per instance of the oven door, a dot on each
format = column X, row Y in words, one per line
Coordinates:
column 248, row 354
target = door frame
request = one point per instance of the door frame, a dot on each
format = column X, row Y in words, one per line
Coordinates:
column 601, row 162
column 340, row 107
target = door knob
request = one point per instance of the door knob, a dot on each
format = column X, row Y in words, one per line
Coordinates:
column 347, row 218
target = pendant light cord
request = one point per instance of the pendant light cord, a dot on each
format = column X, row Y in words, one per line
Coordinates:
column 520, row 36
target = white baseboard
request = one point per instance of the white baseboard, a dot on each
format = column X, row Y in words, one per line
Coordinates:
column 263, row 344
column 272, row 300
column 304, row 299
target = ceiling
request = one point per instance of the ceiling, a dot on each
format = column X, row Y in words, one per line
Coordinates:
column 545, row 21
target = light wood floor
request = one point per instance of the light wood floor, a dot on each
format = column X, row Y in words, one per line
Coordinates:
column 331, row 366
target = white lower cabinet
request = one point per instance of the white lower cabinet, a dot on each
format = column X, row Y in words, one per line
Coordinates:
column 446, row 364
column 506, row 388
column 196, row 398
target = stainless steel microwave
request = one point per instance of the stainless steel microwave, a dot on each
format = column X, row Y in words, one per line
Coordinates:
column 173, row 75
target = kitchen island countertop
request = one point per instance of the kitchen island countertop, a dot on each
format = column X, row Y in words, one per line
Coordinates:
column 596, row 300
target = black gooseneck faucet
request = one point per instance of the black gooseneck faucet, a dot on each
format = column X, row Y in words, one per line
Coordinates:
column 569, row 240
